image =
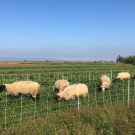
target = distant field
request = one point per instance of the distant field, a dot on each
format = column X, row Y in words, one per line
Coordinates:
column 43, row 67
column 56, row 64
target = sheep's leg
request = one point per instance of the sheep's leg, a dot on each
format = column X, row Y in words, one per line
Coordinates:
column 34, row 96
column 73, row 98
column 37, row 96
column 85, row 95
column 16, row 94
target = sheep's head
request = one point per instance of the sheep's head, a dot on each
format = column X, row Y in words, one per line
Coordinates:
column 103, row 86
column 57, row 98
column 118, row 78
column 2, row 88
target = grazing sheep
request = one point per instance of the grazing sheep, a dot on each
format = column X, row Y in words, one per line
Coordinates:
column 60, row 85
column 123, row 75
column 105, row 82
column 22, row 87
column 70, row 92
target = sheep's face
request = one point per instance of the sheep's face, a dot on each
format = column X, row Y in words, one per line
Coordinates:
column 57, row 98
column 2, row 88
column 119, row 78
column 103, row 87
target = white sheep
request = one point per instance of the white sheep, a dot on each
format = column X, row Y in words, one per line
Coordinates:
column 60, row 85
column 123, row 75
column 22, row 87
column 105, row 82
column 71, row 92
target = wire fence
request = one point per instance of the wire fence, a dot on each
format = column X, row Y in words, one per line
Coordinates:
column 15, row 109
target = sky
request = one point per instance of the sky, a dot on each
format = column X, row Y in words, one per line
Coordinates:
column 81, row 30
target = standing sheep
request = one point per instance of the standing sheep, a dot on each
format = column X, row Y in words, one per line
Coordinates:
column 71, row 92
column 22, row 87
column 105, row 82
column 123, row 75
column 60, row 85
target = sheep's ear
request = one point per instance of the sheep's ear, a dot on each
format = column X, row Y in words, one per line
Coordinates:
column 56, row 97
column 3, row 86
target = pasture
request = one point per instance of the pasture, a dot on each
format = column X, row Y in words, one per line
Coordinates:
column 13, row 110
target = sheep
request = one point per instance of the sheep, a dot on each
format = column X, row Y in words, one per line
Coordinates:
column 105, row 82
column 22, row 87
column 123, row 75
column 70, row 92
column 60, row 85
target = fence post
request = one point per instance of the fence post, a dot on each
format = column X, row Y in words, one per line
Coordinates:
column 62, row 75
column 111, row 75
column 70, row 97
column 21, row 109
column 78, row 97
column 88, row 98
column 128, row 91
column 16, row 77
column 123, row 91
column 5, row 110
column 47, row 105
column 103, row 98
column 95, row 94
column 35, row 104
column 27, row 77
column 89, row 76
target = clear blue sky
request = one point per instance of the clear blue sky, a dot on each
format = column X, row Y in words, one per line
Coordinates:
column 85, row 30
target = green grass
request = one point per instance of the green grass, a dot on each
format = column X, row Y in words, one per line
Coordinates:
column 22, row 107
column 59, row 68
column 115, row 119
column 44, row 107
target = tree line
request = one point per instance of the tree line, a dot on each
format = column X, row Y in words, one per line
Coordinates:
column 129, row 60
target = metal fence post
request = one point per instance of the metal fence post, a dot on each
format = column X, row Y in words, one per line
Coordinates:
column 111, row 75
column 27, row 77
column 128, row 91
column 89, row 76
column 78, row 97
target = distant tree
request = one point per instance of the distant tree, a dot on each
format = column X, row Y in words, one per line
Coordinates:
column 120, row 59
column 46, row 60
column 129, row 60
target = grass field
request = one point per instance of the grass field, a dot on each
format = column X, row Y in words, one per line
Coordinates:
column 13, row 111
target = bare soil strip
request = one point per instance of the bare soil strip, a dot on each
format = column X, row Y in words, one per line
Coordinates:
column 13, row 64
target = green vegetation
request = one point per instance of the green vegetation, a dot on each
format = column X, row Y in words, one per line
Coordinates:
column 21, row 107
column 17, row 110
column 129, row 60
column 115, row 119
column 44, row 69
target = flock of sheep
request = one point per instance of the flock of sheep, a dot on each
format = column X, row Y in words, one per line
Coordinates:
column 66, row 91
